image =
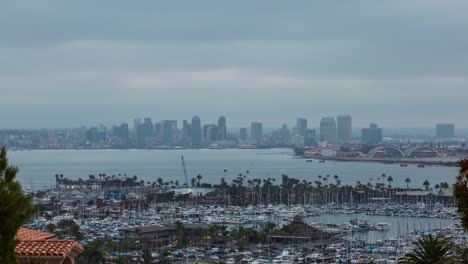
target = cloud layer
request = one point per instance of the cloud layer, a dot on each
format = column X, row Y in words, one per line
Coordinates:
column 70, row 63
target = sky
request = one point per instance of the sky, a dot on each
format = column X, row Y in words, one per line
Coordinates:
column 71, row 63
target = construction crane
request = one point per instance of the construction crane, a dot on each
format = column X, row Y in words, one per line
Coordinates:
column 185, row 171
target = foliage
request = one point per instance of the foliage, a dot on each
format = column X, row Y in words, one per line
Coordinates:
column 460, row 192
column 146, row 255
column 68, row 228
column 15, row 209
column 95, row 251
column 430, row 249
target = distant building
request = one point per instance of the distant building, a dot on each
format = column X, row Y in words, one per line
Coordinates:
column 222, row 130
column 185, row 138
column 210, row 133
column 148, row 132
column 158, row 132
column 282, row 136
column 196, row 131
column 372, row 135
column 167, row 133
column 256, row 131
column 445, row 130
column 243, row 134
column 328, row 129
column 301, row 126
column 344, row 128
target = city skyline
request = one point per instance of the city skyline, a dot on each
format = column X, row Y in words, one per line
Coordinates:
column 398, row 63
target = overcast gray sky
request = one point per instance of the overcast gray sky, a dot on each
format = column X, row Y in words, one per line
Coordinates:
column 70, row 63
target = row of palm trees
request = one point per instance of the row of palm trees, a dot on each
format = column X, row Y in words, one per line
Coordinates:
column 325, row 189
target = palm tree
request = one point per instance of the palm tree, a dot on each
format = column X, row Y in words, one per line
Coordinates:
column 426, row 185
column 430, row 249
column 408, row 181
column 390, row 180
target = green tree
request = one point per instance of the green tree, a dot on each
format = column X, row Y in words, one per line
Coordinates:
column 460, row 192
column 15, row 209
column 430, row 249
column 146, row 255
column 94, row 252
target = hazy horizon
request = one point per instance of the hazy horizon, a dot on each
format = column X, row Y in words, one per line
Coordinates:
column 396, row 63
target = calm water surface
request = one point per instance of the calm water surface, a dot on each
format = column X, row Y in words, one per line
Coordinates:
column 38, row 167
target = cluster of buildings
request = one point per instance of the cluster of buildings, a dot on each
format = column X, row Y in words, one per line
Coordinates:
column 146, row 133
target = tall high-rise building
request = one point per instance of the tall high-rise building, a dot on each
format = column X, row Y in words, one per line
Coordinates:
column 196, row 131
column 138, row 132
column 256, row 131
column 185, row 138
column 445, row 130
column 328, row 129
column 372, row 135
column 243, row 134
column 167, row 133
column 148, row 132
column 301, row 126
column 158, row 132
column 210, row 133
column 343, row 128
column 222, row 130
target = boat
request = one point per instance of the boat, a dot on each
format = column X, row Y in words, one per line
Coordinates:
column 309, row 160
column 403, row 165
column 321, row 161
column 421, row 165
column 382, row 226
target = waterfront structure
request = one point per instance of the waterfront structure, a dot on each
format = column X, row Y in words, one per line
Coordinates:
column 328, row 129
column 421, row 152
column 196, row 131
column 372, row 135
column 445, row 131
column 344, row 128
column 156, row 236
column 385, row 152
column 256, row 132
column 222, row 130
column 301, row 127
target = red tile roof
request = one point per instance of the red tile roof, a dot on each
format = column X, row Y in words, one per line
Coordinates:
column 48, row 248
column 25, row 234
column 37, row 243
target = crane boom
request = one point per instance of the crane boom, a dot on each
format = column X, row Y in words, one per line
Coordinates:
column 185, row 170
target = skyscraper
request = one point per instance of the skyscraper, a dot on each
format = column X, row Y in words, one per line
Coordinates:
column 256, row 131
column 167, row 133
column 148, row 132
column 301, row 126
column 344, row 128
column 243, row 134
column 185, row 138
column 222, row 128
column 210, row 133
column 196, row 131
column 445, row 130
column 328, row 129
column 372, row 135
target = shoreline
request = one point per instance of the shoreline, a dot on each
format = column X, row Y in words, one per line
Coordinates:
column 383, row 161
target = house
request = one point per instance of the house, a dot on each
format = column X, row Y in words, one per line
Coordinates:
column 36, row 247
